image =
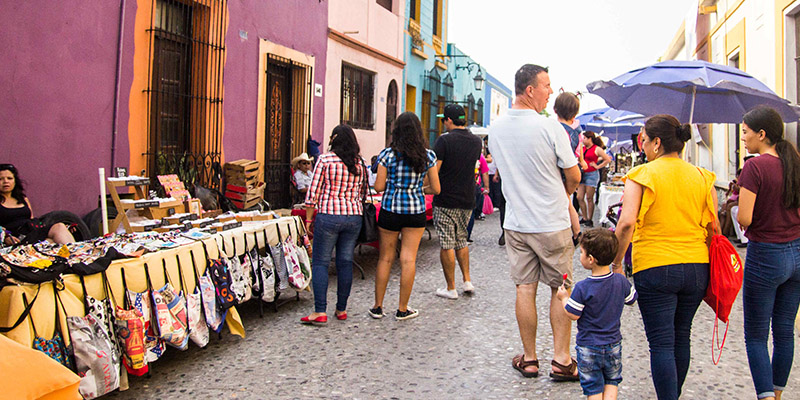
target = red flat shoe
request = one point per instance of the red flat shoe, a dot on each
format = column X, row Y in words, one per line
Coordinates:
column 319, row 321
column 342, row 316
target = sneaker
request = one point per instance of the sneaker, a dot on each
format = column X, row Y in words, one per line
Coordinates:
column 447, row 294
column 407, row 314
column 376, row 313
column 468, row 288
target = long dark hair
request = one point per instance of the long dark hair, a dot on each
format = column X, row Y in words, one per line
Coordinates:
column 345, row 145
column 595, row 139
column 768, row 120
column 672, row 133
column 18, row 192
column 407, row 142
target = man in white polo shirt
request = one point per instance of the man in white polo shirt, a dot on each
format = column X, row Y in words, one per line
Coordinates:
column 531, row 151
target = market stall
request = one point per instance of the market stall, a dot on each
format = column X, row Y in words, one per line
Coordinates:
column 49, row 303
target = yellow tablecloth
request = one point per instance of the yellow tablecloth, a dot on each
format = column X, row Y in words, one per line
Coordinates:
column 43, row 310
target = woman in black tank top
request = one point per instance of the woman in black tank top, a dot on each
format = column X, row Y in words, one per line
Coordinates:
column 16, row 216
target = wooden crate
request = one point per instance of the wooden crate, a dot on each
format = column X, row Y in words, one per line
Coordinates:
column 242, row 172
column 246, row 204
column 255, row 192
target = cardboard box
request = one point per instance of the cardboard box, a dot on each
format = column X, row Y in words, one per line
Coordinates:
column 283, row 212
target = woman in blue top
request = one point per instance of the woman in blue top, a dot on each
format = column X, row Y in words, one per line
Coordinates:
column 406, row 172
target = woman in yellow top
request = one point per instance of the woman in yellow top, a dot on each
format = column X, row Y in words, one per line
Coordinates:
column 667, row 208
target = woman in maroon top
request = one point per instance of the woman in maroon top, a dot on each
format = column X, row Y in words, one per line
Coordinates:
column 596, row 158
column 769, row 202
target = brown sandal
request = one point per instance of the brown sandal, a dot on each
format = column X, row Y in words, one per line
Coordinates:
column 519, row 364
column 571, row 371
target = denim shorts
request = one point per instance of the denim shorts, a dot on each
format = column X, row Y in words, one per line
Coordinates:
column 590, row 178
column 599, row 366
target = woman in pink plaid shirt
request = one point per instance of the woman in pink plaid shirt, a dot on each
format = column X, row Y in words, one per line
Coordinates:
column 336, row 193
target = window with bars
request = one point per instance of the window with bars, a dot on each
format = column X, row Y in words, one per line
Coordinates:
column 387, row 4
column 470, row 110
column 479, row 117
column 357, row 97
column 184, row 90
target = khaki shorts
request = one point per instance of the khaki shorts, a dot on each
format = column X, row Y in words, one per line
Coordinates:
column 451, row 226
column 540, row 257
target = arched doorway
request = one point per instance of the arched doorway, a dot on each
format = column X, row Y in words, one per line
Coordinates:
column 391, row 110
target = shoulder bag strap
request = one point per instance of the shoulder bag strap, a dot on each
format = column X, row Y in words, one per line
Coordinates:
column 126, row 302
column 25, row 313
column 85, row 293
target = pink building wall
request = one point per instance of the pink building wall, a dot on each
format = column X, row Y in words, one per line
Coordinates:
column 379, row 38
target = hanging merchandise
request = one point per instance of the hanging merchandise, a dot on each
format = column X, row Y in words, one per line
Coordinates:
column 55, row 347
column 297, row 276
column 214, row 318
column 170, row 311
column 103, row 312
column 239, row 284
column 304, row 239
column 220, row 275
column 255, row 265
column 131, row 331
column 93, row 351
column 141, row 301
column 198, row 330
column 266, row 274
column 280, row 264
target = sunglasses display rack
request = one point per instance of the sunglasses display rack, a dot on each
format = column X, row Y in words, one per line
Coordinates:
column 154, row 209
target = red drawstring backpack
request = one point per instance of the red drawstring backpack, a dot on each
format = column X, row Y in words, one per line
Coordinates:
column 725, row 280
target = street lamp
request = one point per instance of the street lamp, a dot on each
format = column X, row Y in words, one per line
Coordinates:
column 478, row 77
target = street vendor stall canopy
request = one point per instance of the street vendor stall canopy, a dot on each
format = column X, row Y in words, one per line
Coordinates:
column 692, row 91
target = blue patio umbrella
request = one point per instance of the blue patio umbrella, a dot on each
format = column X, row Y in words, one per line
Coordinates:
column 584, row 118
column 692, row 91
column 616, row 124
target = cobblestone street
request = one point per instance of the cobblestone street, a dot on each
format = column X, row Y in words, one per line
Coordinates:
column 455, row 349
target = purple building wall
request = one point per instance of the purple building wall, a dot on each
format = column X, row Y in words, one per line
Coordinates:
column 58, row 68
column 58, row 74
column 298, row 24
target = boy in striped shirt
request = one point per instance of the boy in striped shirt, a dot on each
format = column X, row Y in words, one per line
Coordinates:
column 596, row 303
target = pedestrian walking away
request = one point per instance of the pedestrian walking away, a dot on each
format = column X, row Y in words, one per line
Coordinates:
column 406, row 172
column 667, row 212
column 335, row 192
column 769, row 201
column 597, row 303
column 531, row 151
column 457, row 152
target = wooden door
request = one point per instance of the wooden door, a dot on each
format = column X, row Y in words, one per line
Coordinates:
column 278, row 135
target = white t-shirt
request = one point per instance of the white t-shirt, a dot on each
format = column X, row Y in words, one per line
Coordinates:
column 303, row 179
column 530, row 150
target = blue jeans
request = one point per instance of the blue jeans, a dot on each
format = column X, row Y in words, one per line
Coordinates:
column 668, row 299
column 599, row 366
column 340, row 232
column 771, row 292
column 477, row 211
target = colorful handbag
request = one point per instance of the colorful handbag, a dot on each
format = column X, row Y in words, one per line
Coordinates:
column 131, row 331
column 55, row 347
column 197, row 328
column 141, row 301
column 208, row 294
column 170, row 309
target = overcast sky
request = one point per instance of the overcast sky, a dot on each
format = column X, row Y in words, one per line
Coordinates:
column 580, row 40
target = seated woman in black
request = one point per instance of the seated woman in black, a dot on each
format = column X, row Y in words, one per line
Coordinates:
column 16, row 215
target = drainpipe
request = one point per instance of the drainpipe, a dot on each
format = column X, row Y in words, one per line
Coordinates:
column 114, row 121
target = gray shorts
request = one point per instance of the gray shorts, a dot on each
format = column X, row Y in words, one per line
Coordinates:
column 540, row 257
column 451, row 226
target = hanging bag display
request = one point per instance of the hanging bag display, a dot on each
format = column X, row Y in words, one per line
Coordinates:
column 304, row 240
column 170, row 310
column 103, row 312
column 198, row 330
column 239, row 283
column 141, row 301
column 369, row 215
column 130, row 329
column 281, row 271
column 266, row 274
column 208, row 293
column 54, row 347
column 94, row 352
column 297, row 280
